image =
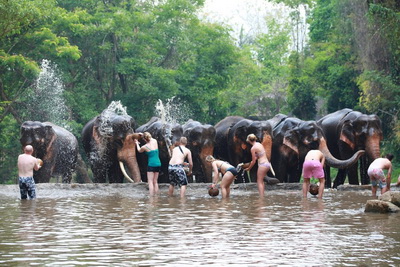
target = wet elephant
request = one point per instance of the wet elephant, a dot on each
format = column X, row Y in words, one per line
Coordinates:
column 292, row 139
column 201, row 142
column 108, row 141
column 347, row 131
column 167, row 135
column 57, row 147
column 232, row 135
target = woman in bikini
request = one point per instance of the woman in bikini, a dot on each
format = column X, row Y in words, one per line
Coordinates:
column 228, row 172
column 154, row 163
column 258, row 154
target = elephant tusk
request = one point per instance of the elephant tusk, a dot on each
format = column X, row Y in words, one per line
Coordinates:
column 121, row 165
column 272, row 170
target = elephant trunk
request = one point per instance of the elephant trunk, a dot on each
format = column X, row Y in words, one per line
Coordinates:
column 336, row 163
column 372, row 147
column 207, row 168
column 267, row 144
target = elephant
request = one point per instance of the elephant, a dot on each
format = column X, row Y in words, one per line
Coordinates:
column 201, row 142
column 56, row 146
column 108, row 141
column 347, row 131
column 167, row 135
column 292, row 139
column 231, row 138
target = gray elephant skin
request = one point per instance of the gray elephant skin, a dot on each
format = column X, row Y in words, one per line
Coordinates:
column 347, row 131
column 57, row 147
column 108, row 141
column 292, row 139
column 231, row 145
column 201, row 142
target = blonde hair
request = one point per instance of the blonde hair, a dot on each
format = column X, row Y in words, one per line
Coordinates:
column 251, row 138
column 147, row 136
column 210, row 158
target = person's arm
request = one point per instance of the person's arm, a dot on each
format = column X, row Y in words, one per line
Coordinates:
column 253, row 160
column 189, row 157
column 140, row 149
column 215, row 173
column 37, row 165
column 389, row 176
column 322, row 160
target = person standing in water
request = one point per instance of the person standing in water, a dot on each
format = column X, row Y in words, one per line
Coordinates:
column 176, row 172
column 313, row 166
column 26, row 164
column 377, row 176
column 258, row 154
column 227, row 170
column 153, row 164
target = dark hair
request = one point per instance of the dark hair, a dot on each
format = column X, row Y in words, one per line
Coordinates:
column 389, row 156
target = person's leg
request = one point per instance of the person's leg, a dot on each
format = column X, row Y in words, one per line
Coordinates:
column 155, row 182
column 321, row 187
column 183, row 190
column 374, row 185
column 150, row 182
column 226, row 182
column 374, row 189
column 306, row 186
column 261, row 172
column 22, row 189
column 171, row 190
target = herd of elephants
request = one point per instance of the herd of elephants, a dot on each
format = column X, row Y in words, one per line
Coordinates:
column 349, row 139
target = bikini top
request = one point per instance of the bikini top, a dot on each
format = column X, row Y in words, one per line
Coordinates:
column 260, row 154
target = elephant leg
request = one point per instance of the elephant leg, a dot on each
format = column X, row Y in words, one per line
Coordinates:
column 99, row 172
column 340, row 177
column 115, row 174
column 364, row 171
column 353, row 174
column 328, row 181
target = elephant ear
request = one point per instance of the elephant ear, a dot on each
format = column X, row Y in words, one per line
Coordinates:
column 347, row 133
column 291, row 139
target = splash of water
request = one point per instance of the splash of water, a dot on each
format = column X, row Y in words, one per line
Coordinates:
column 173, row 111
column 46, row 98
column 115, row 108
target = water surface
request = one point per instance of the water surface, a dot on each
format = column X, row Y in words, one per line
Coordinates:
column 121, row 226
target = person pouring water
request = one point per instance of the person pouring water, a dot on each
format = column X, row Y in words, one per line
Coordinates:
column 26, row 164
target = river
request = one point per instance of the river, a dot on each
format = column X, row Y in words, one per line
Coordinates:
column 120, row 225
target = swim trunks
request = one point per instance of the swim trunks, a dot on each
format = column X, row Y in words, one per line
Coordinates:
column 27, row 187
column 153, row 169
column 313, row 168
column 177, row 175
column 377, row 177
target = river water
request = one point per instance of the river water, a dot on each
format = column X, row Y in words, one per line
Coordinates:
column 119, row 225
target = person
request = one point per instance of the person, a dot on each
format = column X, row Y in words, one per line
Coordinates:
column 153, row 164
column 228, row 172
column 313, row 166
column 176, row 172
column 377, row 176
column 26, row 164
column 258, row 154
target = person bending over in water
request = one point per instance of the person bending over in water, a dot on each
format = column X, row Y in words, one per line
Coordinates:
column 227, row 170
column 26, row 164
column 258, row 154
column 154, row 163
column 176, row 172
column 313, row 166
column 377, row 176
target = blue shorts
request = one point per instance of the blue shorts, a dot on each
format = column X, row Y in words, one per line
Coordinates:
column 177, row 175
column 27, row 187
column 232, row 170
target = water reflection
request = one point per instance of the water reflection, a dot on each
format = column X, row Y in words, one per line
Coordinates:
column 107, row 227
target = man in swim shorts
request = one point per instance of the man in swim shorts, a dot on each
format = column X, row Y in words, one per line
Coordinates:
column 377, row 175
column 26, row 164
column 314, row 167
column 176, row 172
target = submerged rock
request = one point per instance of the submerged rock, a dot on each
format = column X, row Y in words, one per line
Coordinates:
column 380, row 206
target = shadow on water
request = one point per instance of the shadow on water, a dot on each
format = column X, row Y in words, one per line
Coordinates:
column 105, row 225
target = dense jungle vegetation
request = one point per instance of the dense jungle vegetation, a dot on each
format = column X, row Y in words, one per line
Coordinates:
column 140, row 51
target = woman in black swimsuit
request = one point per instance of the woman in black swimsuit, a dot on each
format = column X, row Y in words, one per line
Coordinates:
column 228, row 172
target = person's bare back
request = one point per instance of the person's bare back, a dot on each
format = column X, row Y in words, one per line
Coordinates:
column 27, row 163
column 381, row 163
column 314, row 155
